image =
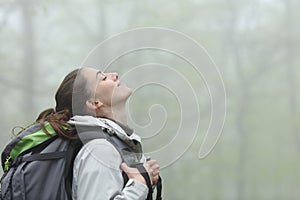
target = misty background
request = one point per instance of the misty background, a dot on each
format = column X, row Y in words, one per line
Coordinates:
column 254, row 43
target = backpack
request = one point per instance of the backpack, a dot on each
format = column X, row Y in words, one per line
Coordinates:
column 40, row 166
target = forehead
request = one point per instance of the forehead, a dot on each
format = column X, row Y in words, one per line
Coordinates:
column 88, row 72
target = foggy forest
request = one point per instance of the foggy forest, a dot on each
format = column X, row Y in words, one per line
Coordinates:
column 215, row 83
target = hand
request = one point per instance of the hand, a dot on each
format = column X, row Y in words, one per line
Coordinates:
column 152, row 168
column 133, row 173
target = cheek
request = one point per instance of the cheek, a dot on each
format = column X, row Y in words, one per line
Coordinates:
column 104, row 92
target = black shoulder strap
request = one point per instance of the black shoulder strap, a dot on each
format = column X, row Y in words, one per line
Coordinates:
column 159, row 189
column 145, row 174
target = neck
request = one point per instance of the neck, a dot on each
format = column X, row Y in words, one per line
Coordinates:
column 118, row 113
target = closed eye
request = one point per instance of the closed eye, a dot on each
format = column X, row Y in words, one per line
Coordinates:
column 102, row 74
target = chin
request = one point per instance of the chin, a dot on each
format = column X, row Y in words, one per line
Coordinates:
column 122, row 96
column 128, row 93
column 127, row 90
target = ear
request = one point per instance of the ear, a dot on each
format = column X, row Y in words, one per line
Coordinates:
column 93, row 105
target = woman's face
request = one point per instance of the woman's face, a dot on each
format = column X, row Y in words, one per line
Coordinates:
column 106, row 87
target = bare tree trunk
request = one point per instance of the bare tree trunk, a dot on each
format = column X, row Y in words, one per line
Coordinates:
column 243, row 102
column 289, row 60
column 241, row 129
column 29, row 65
column 102, row 21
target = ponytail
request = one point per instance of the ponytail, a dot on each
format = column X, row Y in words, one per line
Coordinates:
column 68, row 95
column 58, row 121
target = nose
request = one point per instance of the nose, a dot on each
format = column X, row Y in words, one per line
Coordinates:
column 114, row 76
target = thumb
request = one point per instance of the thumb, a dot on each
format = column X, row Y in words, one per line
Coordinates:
column 124, row 167
column 132, row 173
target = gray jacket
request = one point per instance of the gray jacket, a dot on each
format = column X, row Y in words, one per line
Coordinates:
column 97, row 174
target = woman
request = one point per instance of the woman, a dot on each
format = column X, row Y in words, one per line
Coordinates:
column 85, row 95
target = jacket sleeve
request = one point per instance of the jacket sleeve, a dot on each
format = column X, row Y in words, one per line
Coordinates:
column 97, row 175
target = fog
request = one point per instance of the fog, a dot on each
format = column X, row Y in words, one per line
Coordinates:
column 215, row 83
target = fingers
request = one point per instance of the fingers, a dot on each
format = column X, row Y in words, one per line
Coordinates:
column 124, row 167
column 153, row 170
column 155, row 180
column 128, row 169
column 133, row 173
column 152, row 164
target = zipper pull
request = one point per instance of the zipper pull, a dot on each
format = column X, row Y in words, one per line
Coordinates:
column 7, row 163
